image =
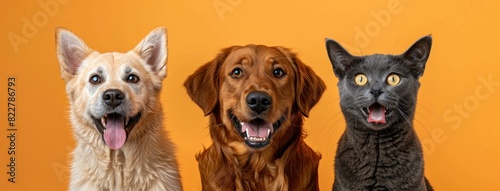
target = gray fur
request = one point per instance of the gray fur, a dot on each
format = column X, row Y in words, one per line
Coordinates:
column 379, row 156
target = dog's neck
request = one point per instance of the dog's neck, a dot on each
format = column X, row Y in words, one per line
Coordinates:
column 271, row 168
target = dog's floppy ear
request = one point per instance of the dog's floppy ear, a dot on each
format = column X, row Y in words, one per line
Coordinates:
column 308, row 86
column 203, row 85
column 71, row 51
column 153, row 50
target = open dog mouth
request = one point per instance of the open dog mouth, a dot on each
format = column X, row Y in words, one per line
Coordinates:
column 256, row 132
column 376, row 113
column 115, row 128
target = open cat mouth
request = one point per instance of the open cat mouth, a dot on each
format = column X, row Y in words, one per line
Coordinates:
column 256, row 132
column 375, row 113
column 115, row 128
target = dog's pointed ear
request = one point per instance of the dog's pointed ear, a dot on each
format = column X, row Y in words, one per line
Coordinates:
column 416, row 56
column 153, row 50
column 339, row 57
column 309, row 87
column 71, row 52
column 203, row 85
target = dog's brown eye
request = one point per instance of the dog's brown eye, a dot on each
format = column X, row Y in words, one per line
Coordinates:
column 132, row 78
column 95, row 79
column 278, row 73
column 237, row 73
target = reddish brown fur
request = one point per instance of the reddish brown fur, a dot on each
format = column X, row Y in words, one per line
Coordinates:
column 287, row 163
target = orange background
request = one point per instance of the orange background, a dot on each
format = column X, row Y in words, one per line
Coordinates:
column 456, row 115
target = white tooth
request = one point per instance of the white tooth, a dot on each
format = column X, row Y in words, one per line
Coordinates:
column 248, row 134
column 242, row 123
column 268, row 132
column 103, row 121
column 126, row 121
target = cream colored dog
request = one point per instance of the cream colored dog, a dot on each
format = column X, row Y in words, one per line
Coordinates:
column 117, row 116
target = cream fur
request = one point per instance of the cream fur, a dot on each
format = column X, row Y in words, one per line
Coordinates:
column 147, row 160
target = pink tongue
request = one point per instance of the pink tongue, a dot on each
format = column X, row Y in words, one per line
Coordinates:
column 115, row 134
column 376, row 114
column 257, row 130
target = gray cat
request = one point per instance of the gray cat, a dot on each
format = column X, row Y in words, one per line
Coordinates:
column 379, row 149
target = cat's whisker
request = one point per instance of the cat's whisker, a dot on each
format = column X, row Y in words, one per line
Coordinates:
column 426, row 109
column 429, row 122
column 417, row 119
column 328, row 102
column 327, row 139
column 407, row 119
column 404, row 116
column 325, row 135
column 359, row 48
column 423, row 101
column 397, row 43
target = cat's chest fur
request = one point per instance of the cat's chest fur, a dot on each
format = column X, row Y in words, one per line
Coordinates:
column 379, row 161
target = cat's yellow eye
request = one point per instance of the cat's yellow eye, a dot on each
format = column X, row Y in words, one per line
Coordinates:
column 361, row 79
column 393, row 79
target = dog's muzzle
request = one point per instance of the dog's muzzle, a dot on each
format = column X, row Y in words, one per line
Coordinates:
column 257, row 132
column 115, row 126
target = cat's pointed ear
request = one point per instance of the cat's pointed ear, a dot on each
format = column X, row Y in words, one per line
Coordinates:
column 339, row 57
column 153, row 50
column 416, row 56
column 71, row 52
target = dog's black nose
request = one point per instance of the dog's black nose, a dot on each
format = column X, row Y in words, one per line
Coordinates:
column 258, row 101
column 113, row 97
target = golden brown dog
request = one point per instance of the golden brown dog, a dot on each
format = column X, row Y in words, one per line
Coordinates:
column 117, row 117
column 256, row 97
